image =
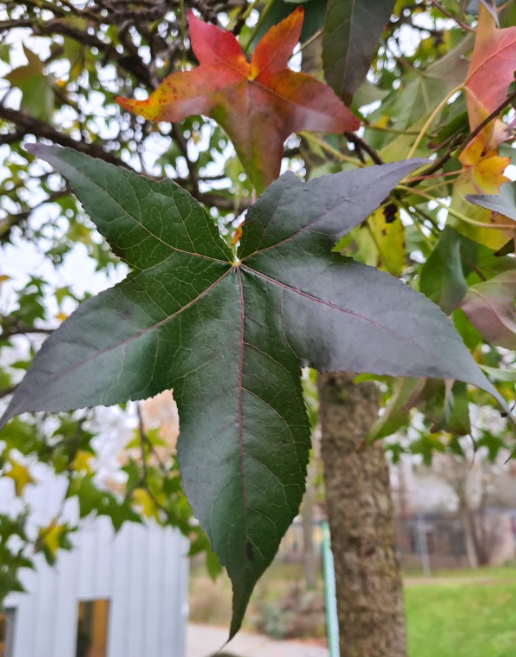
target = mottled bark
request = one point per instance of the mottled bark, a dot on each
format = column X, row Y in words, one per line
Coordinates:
column 360, row 513
column 469, row 536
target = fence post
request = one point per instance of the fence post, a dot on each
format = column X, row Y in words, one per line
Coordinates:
column 423, row 545
column 330, row 594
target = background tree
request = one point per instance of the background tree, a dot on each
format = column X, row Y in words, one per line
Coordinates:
column 422, row 97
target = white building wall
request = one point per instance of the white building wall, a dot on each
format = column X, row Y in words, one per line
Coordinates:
column 142, row 571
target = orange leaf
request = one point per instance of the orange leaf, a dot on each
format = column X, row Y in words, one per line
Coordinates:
column 259, row 104
column 492, row 67
column 237, row 234
column 483, row 174
column 489, row 76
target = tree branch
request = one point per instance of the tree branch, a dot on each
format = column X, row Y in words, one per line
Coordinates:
column 363, row 146
column 438, row 6
column 223, row 203
column 508, row 101
column 7, row 391
column 29, row 125
column 16, row 219
column 21, row 329
column 439, row 163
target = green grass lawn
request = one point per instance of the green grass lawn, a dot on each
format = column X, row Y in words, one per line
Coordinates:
column 459, row 613
column 462, row 619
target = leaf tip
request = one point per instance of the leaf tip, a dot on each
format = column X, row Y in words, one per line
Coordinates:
column 45, row 151
column 34, row 149
column 419, row 161
column 124, row 103
column 355, row 121
column 138, row 107
column 4, row 419
column 194, row 21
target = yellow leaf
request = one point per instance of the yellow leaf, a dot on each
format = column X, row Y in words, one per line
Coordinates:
column 237, row 234
column 148, row 506
column 485, row 176
column 382, row 121
column 20, row 475
column 49, row 537
column 81, row 462
column 482, row 173
column 489, row 237
column 388, row 234
column 381, row 240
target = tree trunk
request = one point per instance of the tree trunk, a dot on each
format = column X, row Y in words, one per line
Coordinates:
column 361, row 519
column 469, row 535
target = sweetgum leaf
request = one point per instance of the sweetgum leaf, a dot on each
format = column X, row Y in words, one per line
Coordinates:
column 442, row 276
column 228, row 336
column 503, row 203
column 491, row 71
column 351, row 34
column 413, row 105
column 490, row 307
column 258, row 103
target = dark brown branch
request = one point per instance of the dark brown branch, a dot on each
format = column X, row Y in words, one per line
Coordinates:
column 183, row 147
column 438, row 164
column 240, row 20
column 29, row 125
column 7, row 391
column 13, row 220
column 407, row 20
column 508, row 101
column 363, row 146
column 11, row 25
column 438, row 6
column 21, row 329
column 11, row 138
column 223, row 203
column 143, row 440
column 131, row 63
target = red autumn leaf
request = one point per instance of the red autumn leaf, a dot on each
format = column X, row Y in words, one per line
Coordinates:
column 258, row 103
column 492, row 67
column 490, row 74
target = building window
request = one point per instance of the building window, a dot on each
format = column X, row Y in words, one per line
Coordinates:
column 92, row 628
column 7, row 617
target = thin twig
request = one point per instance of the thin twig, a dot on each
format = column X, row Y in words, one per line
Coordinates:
column 464, row 26
column 332, row 151
column 361, row 145
column 432, row 118
column 454, row 212
column 30, row 125
column 21, row 329
column 487, row 121
column 7, row 391
column 143, row 439
column 438, row 164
